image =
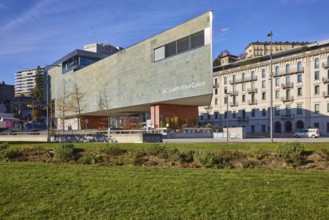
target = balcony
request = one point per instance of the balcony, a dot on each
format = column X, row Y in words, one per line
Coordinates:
column 233, row 93
column 252, row 90
column 325, row 65
column 243, row 119
column 287, row 116
column 252, row 102
column 325, row 94
column 234, row 104
column 243, row 80
column 290, row 72
column 288, row 85
column 287, row 99
column 325, row 80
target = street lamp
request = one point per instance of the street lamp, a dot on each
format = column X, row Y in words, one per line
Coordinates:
column 271, row 88
column 47, row 96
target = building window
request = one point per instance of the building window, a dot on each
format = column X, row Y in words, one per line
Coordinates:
column 277, row 94
column 299, row 109
column 225, row 90
column 234, row 114
column 216, row 101
column 243, row 76
column 243, row 87
column 225, row 115
column 327, row 107
column 299, row 91
column 316, row 89
column 327, row 127
column 277, row 81
column 316, row 75
column 252, row 128
column 316, row 108
column 225, row 80
column 277, row 110
column 317, row 125
column 252, row 75
column 216, row 91
column 263, row 129
column 276, row 70
column 263, row 95
column 253, row 112
column 243, row 98
column 263, row 73
column 299, row 66
column 225, row 100
column 216, row 115
column 288, row 110
column 316, row 63
column 287, row 68
column 263, row 112
column 263, row 83
column 299, row 78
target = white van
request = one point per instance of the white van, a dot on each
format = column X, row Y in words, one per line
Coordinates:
column 309, row 132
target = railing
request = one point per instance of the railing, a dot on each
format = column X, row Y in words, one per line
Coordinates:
column 233, row 93
column 290, row 72
column 287, row 116
column 243, row 118
column 325, row 65
column 325, row 94
column 243, row 80
column 325, row 80
column 234, row 104
column 287, row 99
column 288, row 85
column 252, row 102
column 252, row 90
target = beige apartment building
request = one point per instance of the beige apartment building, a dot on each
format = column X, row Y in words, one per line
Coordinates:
column 241, row 93
column 257, row 49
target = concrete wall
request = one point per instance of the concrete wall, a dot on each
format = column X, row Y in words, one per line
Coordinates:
column 132, row 80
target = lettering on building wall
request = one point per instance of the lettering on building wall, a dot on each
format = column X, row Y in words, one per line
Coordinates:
column 183, row 87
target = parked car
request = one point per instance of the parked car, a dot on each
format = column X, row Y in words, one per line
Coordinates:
column 309, row 132
column 9, row 132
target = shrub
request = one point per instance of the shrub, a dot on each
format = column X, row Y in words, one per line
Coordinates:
column 290, row 151
column 159, row 150
column 64, row 151
column 186, row 156
column 90, row 159
column 130, row 158
column 206, row 159
column 7, row 153
column 4, row 146
column 325, row 154
column 112, row 150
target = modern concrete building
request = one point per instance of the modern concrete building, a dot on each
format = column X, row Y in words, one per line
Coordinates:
column 257, row 49
column 164, row 78
column 300, row 92
column 101, row 48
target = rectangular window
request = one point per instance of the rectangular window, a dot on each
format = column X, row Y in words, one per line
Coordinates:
column 225, row 115
column 277, row 81
column 243, row 98
column 263, row 95
column 316, row 75
column 288, row 110
column 234, row 114
column 243, row 87
column 216, row 115
column 263, row 83
column 253, row 112
column 197, row 39
column 277, row 94
column 170, row 49
column 263, row 128
column 263, row 112
column 216, row 91
column 316, row 89
column 316, row 108
column 216, row 101
column 299, row 109
column 277, row 111
column 317, row 125
column 327, row 107
column 252, row 129
column 183, row 44
column 299, row 78
column 299, row 92
column 225, row 100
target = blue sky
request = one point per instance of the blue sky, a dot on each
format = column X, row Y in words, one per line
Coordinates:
column 38, row 32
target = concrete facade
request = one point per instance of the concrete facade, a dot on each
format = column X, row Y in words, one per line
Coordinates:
column 133, row 81
column 300, row 92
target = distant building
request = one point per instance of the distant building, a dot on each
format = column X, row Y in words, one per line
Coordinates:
column 227, row 58
column 7, row 93
column 257, row 49
column 25, row 82
column 102, row 48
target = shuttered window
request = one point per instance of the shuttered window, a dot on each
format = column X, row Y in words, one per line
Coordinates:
column 197, row 39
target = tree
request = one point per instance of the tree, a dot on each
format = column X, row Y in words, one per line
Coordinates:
column 104, row 103
column 76, row 101
column 37, row 92
column 62, row 105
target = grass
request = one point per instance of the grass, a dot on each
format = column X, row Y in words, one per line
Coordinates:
column 66, row 191
column 181, row 146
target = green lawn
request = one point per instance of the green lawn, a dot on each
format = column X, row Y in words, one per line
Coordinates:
column 64, row 191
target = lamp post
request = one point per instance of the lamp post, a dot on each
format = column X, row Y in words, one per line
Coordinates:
column 47, row 97
column 271, row 88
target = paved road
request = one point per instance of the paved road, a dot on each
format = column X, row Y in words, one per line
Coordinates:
column 214, row 140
